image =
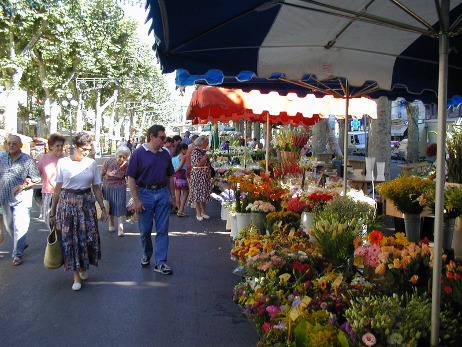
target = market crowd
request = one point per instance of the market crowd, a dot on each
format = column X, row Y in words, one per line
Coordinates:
column 162, row 173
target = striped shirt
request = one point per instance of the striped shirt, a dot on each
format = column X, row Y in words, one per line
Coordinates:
column 13, row 174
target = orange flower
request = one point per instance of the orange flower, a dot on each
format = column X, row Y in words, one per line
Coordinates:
column 380, row 270
column 396, row 263
column 357, row 241
column 323, row 284
column 414, row 279
column 375, row 237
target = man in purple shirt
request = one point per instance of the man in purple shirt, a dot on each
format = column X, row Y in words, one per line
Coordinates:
column 150, row 181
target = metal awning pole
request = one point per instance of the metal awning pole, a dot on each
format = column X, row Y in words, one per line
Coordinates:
column 440, row 173
column 345, row 140
column 267, row 143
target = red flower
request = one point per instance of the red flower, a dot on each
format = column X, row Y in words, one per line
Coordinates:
column 456, row 276
column 375, row 237
column 425, row 241
column 449, row 275
column 448, row 289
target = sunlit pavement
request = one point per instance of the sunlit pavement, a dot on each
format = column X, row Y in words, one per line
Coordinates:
column 123, row 304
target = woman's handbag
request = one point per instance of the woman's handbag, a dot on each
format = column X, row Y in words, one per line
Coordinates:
column 54, row 251
column 212, row 171
column 99, row 211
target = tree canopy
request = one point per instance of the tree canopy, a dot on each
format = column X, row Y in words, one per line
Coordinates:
column 47, row 46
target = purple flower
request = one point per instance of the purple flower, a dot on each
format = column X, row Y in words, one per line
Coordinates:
column 332, row 319
column 297, row 302
column 323, row 305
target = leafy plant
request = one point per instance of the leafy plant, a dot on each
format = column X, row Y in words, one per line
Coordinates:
column 452, row 200
column 454, row 147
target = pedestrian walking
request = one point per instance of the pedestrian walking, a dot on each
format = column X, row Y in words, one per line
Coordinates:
column 179, row 177
column 201, row 184
column 150, row 181
column 18, row 174
column 186, row 140
column 47, row 168
column 73, row 209
column 115, row 187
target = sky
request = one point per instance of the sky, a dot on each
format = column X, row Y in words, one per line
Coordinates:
column 138, row 13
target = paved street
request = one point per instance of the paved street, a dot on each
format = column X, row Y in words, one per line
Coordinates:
column 123, row 304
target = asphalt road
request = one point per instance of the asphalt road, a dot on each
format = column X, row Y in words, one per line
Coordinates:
column 123, row 304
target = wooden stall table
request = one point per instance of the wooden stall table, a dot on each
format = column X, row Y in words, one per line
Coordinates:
column 362, row 184
column 325, row 175
column 407, row 169
column 357, row 164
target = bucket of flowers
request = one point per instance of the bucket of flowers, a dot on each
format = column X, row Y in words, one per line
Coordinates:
column 259, row 210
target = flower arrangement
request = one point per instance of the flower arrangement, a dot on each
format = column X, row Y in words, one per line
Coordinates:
column 260, row 206
column 404, row 266
column 226, row 196
column 283, row 219
column 452, row 200
column 404, row 191
column 451, row 283
column 291, row 140
column 388, row 320
column 306, row 201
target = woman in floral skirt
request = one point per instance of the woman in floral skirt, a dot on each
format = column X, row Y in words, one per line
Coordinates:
column 73, row 209
column 115, row 187
column 201, row 183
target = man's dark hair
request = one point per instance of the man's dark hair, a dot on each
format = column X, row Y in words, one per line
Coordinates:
column 179, row 147
column 81, row 139
column 169, row 139
column 154, row 130
column 176, row 138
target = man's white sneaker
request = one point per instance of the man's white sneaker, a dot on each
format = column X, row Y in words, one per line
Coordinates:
column 164, row 269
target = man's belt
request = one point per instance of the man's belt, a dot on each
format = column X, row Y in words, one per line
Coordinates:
column 77, row 191
column 152, row 187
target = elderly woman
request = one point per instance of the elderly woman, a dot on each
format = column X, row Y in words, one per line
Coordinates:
column 73, row 209
column 47, row 168
column 115, row 187
column 201, row 184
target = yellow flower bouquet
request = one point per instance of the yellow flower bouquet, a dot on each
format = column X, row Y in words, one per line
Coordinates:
column 404, row 191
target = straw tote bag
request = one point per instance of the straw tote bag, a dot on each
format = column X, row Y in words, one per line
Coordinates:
column 53, row 252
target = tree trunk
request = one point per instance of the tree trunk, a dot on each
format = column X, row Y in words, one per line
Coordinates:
column 380, row 135
column 412, row 132
column 332, row 141
column 341, row 134
column 319, row 137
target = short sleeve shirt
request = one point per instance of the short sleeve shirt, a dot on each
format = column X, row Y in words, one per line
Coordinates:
column 150, row 168
column 77, row 174
column 13, row 174
column 47, row 167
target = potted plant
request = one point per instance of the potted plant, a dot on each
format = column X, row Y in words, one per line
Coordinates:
column 403, row 193
column 259, row 210
column 289, row 143
column 452, row 208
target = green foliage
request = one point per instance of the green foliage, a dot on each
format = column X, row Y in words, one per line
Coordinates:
column 46, row 48
column 454, row 147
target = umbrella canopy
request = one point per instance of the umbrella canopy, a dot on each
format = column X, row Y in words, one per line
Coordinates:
column 359, row 40
column 216, row 104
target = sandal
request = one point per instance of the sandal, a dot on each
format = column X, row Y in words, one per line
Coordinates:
column 182, row 214
column 17, row 261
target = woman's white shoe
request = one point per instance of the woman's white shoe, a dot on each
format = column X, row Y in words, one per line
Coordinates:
column 76, row 286
column 199, row 218
column 205, row 216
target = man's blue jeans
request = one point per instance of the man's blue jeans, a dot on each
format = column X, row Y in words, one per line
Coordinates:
column 16, row 220
column 156, row 207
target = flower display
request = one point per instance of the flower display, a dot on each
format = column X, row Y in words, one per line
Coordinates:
column 404, row 191
column 306, row 201
column 260, row 206
column 291, row 140
column 452, row 200
column 389, row 320
column 451, row 282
